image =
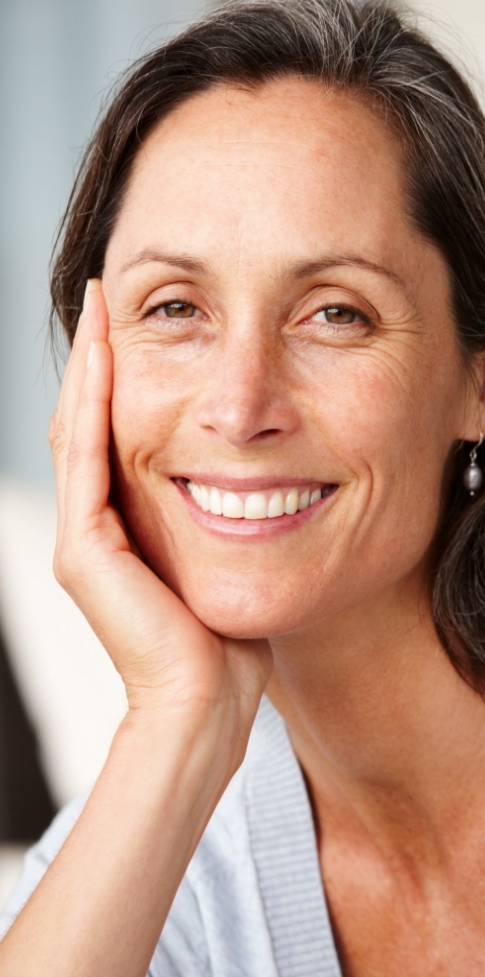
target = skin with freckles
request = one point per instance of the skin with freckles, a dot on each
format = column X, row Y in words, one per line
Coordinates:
column 282, row 204
column 277, row 320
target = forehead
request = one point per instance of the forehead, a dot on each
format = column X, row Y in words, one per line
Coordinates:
column 287, row 167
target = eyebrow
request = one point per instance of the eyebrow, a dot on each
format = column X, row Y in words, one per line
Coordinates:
column 305, row 269
column 298, row 271
column 184, row 261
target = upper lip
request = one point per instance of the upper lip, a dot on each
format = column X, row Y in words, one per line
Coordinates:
column 247, row 483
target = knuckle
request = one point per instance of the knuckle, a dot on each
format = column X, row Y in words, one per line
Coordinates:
column 52, row 428
column 58, row 437
column 73, row 455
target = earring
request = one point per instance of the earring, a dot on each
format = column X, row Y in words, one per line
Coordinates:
column 473, row 475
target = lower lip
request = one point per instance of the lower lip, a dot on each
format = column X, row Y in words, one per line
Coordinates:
column 251, row 528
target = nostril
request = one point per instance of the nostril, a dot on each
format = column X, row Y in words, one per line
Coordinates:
column 266, row 434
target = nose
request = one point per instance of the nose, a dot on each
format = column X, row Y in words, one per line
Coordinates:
column 247, row 397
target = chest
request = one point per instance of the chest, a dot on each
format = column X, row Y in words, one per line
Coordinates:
column 383, row 928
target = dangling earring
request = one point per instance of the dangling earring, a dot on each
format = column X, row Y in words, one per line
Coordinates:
column 473, row 475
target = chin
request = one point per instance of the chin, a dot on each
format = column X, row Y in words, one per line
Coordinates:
column 242, row 615
column 239, row 598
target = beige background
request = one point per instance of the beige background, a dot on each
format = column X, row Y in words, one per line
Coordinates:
column 459, row 25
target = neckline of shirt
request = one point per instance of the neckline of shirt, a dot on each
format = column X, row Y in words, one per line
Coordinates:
column 284, row 847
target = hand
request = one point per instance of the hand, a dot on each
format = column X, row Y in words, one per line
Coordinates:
column 167, row 658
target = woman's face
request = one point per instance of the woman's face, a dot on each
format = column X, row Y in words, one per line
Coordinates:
column 280, row 331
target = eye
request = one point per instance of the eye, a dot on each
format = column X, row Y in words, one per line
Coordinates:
column 338, row 315
column 177, row 310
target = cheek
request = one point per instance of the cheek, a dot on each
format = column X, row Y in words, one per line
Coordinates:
column 390, row 431
column 372, row 413
column 150, row 396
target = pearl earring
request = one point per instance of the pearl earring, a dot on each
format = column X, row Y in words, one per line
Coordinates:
column 473, row 475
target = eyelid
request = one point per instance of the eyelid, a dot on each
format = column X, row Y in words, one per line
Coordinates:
column 336, row 295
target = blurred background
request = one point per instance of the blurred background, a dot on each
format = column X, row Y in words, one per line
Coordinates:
column 60, row 699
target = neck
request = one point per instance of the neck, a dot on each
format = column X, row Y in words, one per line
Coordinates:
column 390, row 738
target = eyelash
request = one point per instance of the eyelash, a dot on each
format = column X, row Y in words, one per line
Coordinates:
column 162, row 305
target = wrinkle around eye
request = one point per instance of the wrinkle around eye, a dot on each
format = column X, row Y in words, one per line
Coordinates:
column 322, row 329
column 175, row 332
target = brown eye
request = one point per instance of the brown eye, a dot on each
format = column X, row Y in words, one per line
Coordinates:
column 339, row 316
column 179, row 310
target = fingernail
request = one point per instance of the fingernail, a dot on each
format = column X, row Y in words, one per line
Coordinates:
column 87, row 291
column 90, row 353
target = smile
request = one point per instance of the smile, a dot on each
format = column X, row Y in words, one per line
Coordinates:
column 256, row 505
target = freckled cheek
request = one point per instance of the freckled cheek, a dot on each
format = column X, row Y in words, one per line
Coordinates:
column 366, row 416
column 147, row 406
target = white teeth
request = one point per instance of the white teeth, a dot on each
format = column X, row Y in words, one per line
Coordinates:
column 256, row 507
column 291, row 504
column 304, row 500
column 215, row 502
column 276, row 505
column 204, row 498
column 232, row 506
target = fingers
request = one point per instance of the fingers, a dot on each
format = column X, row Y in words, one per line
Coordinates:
column 88, row 521
column 93, row 326
column 87, row 461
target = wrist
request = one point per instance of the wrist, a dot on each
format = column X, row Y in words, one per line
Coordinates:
column 197, row 747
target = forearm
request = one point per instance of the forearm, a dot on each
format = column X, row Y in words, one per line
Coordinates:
column 102, row 904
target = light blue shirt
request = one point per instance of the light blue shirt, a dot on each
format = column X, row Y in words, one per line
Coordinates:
column 251, row 903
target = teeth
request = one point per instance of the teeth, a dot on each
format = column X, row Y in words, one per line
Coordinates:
column 204, row 498
column 215, row 502
column 304, row 500
column 256, row 505
column 276, row 505
column 232, row 506
column 291, row 504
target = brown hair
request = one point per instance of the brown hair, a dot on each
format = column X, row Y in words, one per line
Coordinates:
column 375, row 51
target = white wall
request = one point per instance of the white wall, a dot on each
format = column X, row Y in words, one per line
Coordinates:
column 57, row 58
column 462, row 28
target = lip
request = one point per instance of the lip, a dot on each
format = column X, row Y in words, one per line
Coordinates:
column 246, row 484
column 248, row 528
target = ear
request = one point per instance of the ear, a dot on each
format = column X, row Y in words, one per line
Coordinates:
column 473, row 424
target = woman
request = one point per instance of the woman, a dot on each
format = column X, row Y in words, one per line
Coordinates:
column 268, row 450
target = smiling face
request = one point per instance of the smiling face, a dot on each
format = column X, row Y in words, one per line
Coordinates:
column 282, row 336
